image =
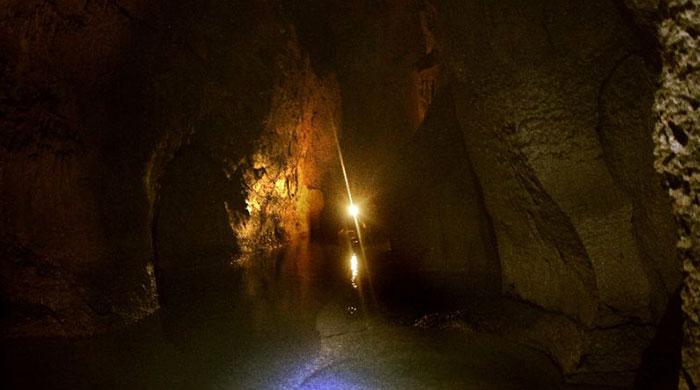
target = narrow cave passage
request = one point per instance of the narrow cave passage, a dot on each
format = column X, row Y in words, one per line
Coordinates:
column 340, row 194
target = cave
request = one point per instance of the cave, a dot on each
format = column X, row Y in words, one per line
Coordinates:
column 350, row 194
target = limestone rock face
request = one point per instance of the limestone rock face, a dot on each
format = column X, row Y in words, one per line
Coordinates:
column 677, row 157
column 532, row 96
column 284, row 175
column 553, row 99
column 142, row 142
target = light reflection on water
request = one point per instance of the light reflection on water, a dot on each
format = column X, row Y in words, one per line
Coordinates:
column 280, row 285
column 280, row 323
column 354, row 269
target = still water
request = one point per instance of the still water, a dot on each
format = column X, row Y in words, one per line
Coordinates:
column 281, row 320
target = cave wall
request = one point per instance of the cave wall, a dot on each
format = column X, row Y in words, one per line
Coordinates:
column 553, row 99
column 285, row 174
column 58, row 59
column 676, row 151
column 436, row 215
column 538, row 99
column 141, row 140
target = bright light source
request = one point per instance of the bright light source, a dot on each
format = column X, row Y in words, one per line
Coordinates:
column 354, row 269
column 353, row 210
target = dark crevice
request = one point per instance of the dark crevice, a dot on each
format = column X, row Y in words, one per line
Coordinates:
column 678, row 133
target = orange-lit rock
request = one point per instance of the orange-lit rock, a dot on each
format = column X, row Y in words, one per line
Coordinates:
column 133, row 137
column 284, row 173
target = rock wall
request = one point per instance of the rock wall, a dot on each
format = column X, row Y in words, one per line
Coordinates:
column 676, row 139
column 284, row 176
column 59, row 256
column 539, row 102
column 436, row 215
column 553, row 99
column 142, row 141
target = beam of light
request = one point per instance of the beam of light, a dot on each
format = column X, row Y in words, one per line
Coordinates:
column 353, row 209
column 342, row 165
column 354, row 269
column 354, row 215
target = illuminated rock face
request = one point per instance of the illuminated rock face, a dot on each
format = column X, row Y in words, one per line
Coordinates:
column 283, row 175
column 144, row 142
column 677, row 138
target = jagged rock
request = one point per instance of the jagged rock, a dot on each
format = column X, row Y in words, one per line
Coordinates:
column 677, row 155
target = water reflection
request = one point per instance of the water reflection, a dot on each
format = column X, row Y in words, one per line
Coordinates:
column 280, row 284
column 354, row 270
column 236, row 326
column 275, row 321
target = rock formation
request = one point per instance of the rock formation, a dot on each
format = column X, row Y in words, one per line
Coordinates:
column 677, row 158
column 144, row 141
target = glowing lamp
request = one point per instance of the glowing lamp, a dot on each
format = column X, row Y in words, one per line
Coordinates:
column 353, row 210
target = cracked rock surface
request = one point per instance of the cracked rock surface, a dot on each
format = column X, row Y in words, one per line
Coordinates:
column 677, row 152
